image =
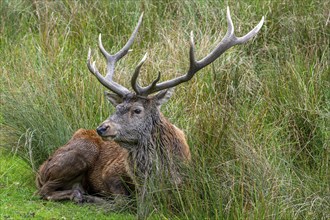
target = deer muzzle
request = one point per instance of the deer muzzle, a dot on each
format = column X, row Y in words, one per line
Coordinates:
column 107, row 130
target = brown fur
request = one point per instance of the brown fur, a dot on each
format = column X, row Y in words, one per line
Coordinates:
column 85, row 164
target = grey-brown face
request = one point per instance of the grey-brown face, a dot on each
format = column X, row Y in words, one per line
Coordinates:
column 133, row 119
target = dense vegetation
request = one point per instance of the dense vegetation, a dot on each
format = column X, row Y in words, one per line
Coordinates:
column 257, row 119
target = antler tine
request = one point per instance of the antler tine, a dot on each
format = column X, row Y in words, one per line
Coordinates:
column 227, row 42
column 143, row 91
column 111, row 61
column 134, row 82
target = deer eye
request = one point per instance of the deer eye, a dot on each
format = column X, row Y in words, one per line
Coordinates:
column 137, row 111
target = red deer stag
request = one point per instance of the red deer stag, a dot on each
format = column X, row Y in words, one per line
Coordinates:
column 132, row 142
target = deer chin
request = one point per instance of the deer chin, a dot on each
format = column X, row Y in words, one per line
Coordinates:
column 124, row 142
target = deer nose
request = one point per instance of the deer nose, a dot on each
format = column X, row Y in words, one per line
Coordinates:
column 101, row 129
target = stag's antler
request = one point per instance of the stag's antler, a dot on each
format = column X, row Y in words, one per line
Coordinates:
column 195, row 65
column 111, row 61
column 227, row 42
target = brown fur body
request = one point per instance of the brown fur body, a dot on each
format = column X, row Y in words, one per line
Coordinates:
column 85, row 164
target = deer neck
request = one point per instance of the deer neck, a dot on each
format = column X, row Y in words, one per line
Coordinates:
column 154, row 152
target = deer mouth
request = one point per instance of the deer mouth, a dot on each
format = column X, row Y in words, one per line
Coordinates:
column 119, row 140
column 111, row 137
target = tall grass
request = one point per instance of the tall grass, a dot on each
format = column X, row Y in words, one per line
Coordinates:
column 257, row 119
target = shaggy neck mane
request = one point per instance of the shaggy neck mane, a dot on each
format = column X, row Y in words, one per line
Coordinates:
column 154, row 151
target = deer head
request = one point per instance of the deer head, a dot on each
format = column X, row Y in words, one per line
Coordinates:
column 138, row 111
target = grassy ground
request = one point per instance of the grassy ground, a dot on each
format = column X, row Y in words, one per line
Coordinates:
column 257, row 119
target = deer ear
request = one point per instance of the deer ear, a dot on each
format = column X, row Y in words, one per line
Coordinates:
column 163, row 96
column 113, row 98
